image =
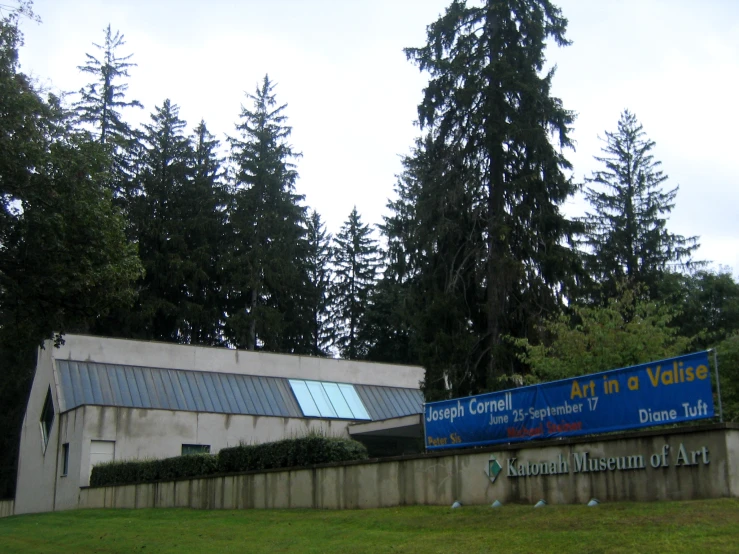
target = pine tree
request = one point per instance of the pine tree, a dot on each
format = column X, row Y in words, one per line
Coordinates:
column 102, row 100
column 203, row 215
column 356, row 261
column 319, row 279
column 627, row 235
column 491, row 240
column 100, row 106
column 266, row 265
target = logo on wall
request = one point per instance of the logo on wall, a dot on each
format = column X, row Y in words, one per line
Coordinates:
column 494, row 469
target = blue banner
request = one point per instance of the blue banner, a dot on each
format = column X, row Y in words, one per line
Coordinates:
column 656, row 393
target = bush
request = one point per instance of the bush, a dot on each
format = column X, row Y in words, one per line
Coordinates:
column 305, row 451
column 300, row 452
column 144, row 471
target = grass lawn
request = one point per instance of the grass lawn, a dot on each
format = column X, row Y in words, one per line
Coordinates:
column 703, row 526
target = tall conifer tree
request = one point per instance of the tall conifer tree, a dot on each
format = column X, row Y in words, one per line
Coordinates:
column 319, row 280
column 627, row 236
column 102, row 100
column 101, row 104
column 356, row 261
column 491, row 237
column 266, row 262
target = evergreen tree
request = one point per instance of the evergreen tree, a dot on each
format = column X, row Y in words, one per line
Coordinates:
column 266, row 262
column 626, row 233
column 178, row 221
column 490, row 239
column 393, row 304
column 102, row 100
column 319, row 278
column 203, row 214
column 166, row 152
column 101, row 104
column 356, row 261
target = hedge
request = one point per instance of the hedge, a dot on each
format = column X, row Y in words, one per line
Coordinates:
column 304, row 451
column 142, row 471
column 298, row 452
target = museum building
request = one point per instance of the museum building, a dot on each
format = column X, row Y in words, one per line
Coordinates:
column 96, row 399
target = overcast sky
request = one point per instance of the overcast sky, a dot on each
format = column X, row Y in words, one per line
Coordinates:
column 352, row 96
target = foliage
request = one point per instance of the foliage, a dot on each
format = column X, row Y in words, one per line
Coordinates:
column 145, row 471
column 356, row 259
column 266, row 263
column 728, row 364
column 102, row 100
column 64, row 257
column 626, row 233
column 489, row 240
column 320, row 274
column 629, row 330
column 298, row 452
column 709, row 303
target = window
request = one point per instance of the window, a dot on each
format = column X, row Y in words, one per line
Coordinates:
column 334, row 400
column 65, row 459
column 195, row 449
column 47, row 419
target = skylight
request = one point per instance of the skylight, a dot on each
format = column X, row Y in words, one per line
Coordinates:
column 331, row 400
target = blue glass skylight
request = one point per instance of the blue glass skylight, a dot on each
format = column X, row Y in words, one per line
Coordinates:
column 330, row 400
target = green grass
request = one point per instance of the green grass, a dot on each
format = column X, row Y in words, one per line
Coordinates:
column 704, row 526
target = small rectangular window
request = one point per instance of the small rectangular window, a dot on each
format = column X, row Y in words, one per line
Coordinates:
column 65, row 459
column 195, row 449
column 47, row 419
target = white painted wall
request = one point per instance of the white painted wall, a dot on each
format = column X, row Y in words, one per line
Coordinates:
column 224, row 360
column 139, row 434
column 37, row 467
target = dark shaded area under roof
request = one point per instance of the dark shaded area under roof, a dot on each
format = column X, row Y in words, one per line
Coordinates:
column 91, row 383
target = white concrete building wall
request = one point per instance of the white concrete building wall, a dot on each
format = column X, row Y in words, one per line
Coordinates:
column 140, row 434
column 37, row 466
column 224, row 360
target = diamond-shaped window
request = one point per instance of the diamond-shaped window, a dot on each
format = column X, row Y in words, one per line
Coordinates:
column 47, row 419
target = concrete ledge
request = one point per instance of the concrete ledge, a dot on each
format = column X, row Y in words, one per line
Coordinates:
column 665, row 464
column 7, row 508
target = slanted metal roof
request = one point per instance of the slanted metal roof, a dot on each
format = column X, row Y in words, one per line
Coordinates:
column 91, row 383
column 174, row 389
column 389, row 402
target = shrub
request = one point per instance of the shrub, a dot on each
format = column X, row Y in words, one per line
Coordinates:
column 143, row 471
column 304, row 451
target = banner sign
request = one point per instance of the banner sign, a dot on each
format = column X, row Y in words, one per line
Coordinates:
column 656, row 393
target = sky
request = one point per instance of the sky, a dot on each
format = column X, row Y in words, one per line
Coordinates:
column 352, row 96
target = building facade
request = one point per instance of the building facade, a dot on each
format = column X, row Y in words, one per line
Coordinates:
column 95, row 400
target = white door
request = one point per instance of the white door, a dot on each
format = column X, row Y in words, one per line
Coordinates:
column 101, row 451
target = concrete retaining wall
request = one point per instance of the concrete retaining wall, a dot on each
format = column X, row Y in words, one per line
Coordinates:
column 6, row 508
column 677, row 464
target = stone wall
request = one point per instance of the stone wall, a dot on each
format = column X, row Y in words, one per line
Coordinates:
column 6, row 508
column 675, row 464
